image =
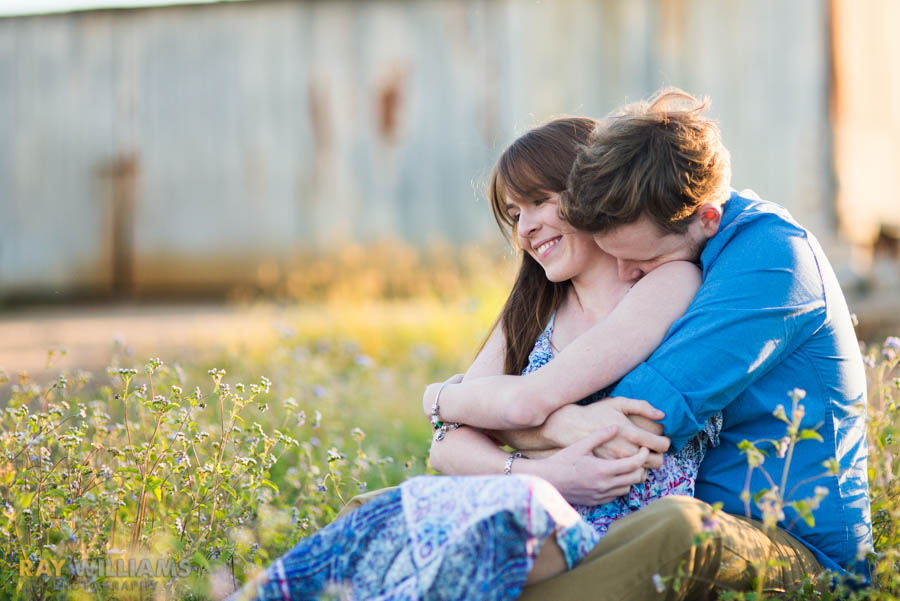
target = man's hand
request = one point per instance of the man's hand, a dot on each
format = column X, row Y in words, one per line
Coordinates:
column 588, row 480
column 635, row 420
column 431, row 392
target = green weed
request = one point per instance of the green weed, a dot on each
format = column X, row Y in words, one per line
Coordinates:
column 174, row 477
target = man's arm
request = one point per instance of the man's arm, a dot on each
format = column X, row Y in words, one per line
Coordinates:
column 571, row 423
column 574, row 471
column 537, row 443
column 762, row 297
column 594, row 360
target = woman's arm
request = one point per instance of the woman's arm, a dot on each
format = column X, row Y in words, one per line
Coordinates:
column 468, row 458
column 489, row 362
column 591, row 362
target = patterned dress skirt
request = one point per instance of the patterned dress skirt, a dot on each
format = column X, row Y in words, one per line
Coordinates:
column 435, row 537
column 461, row 537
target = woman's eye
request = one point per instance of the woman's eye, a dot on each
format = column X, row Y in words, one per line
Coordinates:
column 539, row 202
column 515, row 218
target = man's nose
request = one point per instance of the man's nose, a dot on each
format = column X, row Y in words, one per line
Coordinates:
column 628, row 271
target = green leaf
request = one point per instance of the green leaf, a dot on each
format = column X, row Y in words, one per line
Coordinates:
column 268, row 483
column 804, row 510
column 200, row 560
column 810, row 435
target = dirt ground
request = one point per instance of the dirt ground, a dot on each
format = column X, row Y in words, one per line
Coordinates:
column 90, row 333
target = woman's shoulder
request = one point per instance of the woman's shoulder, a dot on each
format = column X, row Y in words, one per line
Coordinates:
column 674, row 273
column 675, row 268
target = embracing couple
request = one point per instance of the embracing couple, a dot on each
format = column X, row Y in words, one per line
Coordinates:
column 658, row 320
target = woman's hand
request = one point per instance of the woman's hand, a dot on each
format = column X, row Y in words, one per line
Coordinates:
column 586, row 479
column 431, row 392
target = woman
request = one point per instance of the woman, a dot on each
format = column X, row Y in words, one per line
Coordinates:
column 484, row 536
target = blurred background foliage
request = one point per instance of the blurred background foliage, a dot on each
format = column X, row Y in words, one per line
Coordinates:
column 293, row 192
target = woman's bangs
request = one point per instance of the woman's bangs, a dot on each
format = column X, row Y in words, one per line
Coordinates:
column 520, row 179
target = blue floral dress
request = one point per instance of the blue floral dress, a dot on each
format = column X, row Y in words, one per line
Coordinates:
column 460, row 537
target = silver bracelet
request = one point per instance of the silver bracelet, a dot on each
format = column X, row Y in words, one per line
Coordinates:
column 507, row 469
column 440, row 428
column 435, row 420
column 443, row 429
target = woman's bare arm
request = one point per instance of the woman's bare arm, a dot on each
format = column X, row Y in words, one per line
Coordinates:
column 469, row 450
column 467, row 459
column 490, row 362
column 574, row 471
column 591, row 362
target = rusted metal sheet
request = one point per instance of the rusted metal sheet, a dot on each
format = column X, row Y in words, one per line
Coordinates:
column 262, row 130
column 866, row 121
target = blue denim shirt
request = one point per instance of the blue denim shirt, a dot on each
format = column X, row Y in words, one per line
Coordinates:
column 769, row 318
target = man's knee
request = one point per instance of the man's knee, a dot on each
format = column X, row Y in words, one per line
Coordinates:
column 684, row 522
column 689, row 531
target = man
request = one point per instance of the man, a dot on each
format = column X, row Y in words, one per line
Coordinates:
column 769, row 318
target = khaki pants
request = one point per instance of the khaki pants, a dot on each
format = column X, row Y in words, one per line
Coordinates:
column 659, row 539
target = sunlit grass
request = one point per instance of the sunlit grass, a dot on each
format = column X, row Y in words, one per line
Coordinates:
column 229, row 457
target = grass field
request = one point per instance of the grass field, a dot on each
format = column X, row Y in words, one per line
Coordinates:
column 217, row 463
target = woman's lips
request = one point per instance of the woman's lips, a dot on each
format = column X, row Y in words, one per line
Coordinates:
column 544, row 248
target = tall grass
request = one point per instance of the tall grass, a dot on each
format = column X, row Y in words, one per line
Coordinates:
column 216, row 465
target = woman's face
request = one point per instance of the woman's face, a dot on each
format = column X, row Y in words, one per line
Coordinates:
column 562, row 251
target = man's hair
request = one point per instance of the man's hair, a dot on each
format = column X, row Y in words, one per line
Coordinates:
column 660, row 157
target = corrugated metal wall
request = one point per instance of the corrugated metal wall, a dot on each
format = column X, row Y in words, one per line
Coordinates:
column 220, row 136
column 866, row 121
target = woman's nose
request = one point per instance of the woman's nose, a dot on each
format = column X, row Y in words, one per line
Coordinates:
column 527, row 224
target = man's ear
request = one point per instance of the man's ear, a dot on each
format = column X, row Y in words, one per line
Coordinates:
column 709, row 216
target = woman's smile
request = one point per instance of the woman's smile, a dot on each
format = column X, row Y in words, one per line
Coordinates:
column 544, row 248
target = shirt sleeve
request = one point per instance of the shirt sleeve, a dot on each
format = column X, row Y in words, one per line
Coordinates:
column 761, row 297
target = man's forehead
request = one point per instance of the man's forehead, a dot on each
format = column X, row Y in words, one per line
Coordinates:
column 637, row 237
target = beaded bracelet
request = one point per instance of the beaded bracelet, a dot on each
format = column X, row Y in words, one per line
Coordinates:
column 442, row 431
column 507, row 469
column 440, row 427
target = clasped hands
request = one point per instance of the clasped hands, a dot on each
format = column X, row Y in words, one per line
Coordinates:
column 591, row 454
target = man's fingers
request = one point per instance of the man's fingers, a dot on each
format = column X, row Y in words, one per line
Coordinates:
column 617, row 449
column 618, row 467
column 632, row 477
column 658, row 444
column 595, row 439
column 654, row 461
column 638, row 407
column 646, row 424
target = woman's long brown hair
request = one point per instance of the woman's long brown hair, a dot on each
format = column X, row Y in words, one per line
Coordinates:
column 536, row 163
